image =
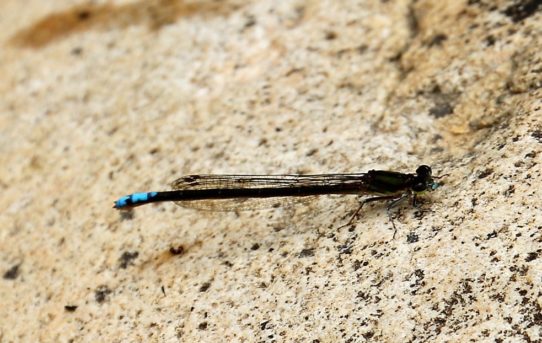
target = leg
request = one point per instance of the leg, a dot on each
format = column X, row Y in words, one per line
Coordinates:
column 381, row 198
column 415, row 202
column 393, row 204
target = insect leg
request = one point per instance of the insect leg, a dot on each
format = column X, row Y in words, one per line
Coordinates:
column 396, row 201
column 365, row 201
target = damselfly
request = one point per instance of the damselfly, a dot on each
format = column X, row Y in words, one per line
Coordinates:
column 223, row 191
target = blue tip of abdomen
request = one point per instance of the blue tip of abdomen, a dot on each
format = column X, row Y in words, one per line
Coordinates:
column 133, row 200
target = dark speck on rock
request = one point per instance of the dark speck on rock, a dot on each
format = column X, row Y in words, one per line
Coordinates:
column 485, row 173
column 12, row 273
column 205, row 287
column 306, row 253
column 532, row 256
column 412, row 237
column 126, row 215
column 441, row 110
column 537, row 135
column 521, row 10
column 438, row 39
column 126, row 259
column 492, row 234
column 101, row 294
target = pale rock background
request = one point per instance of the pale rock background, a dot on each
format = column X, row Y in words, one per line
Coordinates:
column 103, row 98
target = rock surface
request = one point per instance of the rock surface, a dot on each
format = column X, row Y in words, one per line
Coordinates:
column 100, row 99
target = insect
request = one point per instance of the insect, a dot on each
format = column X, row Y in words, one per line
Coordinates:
column 219, row 192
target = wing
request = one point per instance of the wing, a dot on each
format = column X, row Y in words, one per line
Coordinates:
column 238, row 182
column 266, row 181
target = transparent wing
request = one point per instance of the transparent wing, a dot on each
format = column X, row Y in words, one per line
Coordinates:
column 199, row 182
column 265, row 181
column 244, row 204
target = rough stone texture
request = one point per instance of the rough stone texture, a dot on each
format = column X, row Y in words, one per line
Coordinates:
column 103, row 98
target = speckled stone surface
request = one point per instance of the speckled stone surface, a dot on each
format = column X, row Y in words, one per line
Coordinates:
column 103, row 98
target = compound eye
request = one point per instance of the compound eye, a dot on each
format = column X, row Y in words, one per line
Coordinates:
column 424, row 171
